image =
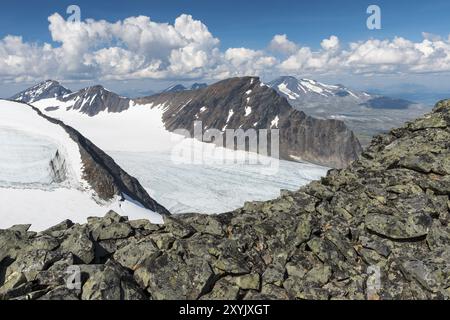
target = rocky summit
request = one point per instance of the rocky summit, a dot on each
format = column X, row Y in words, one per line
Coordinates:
column 378, row 229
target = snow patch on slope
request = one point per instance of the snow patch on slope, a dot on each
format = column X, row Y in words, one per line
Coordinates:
column 284, row 89
column 274, row 122
column 27, row 159
column 44, row 209
column 138, row 128
column 313, row 87
column 212, row 187
column 19, row 124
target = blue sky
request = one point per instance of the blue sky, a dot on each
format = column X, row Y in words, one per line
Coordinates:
column 245, row 24
column 250, row 23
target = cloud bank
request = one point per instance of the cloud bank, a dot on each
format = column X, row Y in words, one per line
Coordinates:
column 139, row 48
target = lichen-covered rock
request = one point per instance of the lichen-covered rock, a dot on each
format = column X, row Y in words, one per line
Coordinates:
column 112, row 283
column 31, row 262
column 60, row 293
column 135, row 252
column 224, row 289
column 113, row 231
column 248, row 281
column 172, row 278
column 399, row 228
column 13, row 281
column 78, row 242
column 11, row 243
column 58, row 230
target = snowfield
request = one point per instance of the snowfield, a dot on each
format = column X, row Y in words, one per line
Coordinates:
column 25, row 158
column 184, row 175
column 45, row 208
column 41, row 174
column 212, row 187
column 138, row 129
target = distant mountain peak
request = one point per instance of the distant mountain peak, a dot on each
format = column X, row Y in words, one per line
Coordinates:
column 307, row 92
column 301, row 89
column 95, row 99
column 181, row 88
column 43, row 90
column 175, row 88
column 197, row 86
column 366, row 114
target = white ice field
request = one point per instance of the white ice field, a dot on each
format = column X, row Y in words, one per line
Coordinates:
column 25, row 159
column 139, row 143
column 41, row 175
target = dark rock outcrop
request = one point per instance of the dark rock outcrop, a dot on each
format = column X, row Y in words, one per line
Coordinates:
column 376, row 230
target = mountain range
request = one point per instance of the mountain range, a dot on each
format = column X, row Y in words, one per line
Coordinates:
column 237, row 103
column 307, row 92
column 136, row 136
column 246, row 103
column 364, row 113
column 44, row 90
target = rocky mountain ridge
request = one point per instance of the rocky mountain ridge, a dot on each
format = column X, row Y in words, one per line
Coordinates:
column 44, row 90
column 93, row 100
column 301, row 92
column 246, row 103
column 367, row 115
column 378, row 229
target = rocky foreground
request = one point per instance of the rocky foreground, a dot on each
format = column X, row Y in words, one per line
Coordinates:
column 376, row 230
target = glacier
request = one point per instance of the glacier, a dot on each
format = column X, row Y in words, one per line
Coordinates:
column 41, row 175
column 210, row 187
column 138, row 141
column 26, row 160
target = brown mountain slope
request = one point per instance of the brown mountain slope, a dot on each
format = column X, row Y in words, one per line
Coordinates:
column 245, row 103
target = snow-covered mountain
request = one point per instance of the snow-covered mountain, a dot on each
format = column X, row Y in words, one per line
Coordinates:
column 237, row 103
column 139, row 138
column 307, row 91
column 304, row 90
column 43, row 90
column 93, row 100
column 50, row 172
column 364, row 113
column 246, row 103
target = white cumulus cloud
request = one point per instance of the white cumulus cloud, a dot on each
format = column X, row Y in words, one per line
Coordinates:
column 281, row 44
column 138, row 48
